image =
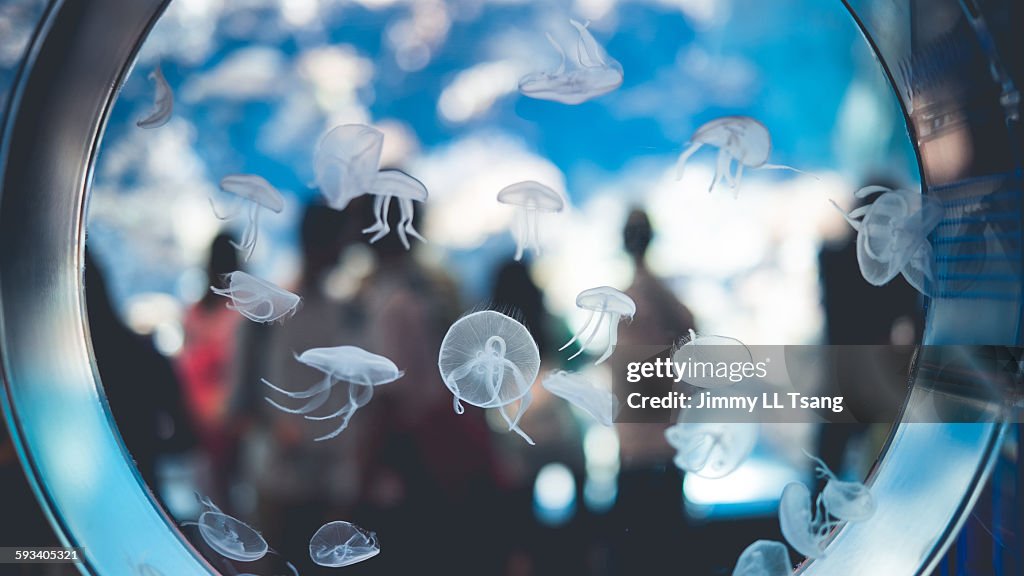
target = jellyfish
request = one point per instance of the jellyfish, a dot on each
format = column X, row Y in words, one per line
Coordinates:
column 163, row 102
column 362, row 371
column 395, row 184
column 230, row 537
column 257, row 299
column 710, row 449
column 594, row 73
column 529, row 198
column 739, row 138
column 700, row 348
column 260, row 194
column 850, row 501
column 892, row 236
column 490, row 360
column 764, row 558
column 804, row 527
column 340, row 543
column 580, row 392
column 605, row 303
column 346, row 163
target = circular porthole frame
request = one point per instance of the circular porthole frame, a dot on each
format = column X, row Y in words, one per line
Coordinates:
column 61, row 426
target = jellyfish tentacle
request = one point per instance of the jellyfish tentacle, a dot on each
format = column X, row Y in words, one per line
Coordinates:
column 576, row 336
column 513, row 423
column 593, row 333
column 310, row 405
column 457, row 406
column 356, row 400
column 532, row 223
column 738, row 176
column 381, row 226
column 784, row 167
column 561, row 53
column 721, row 169
column 313, row 390
column 405, row 224
column 613, row 337
column 216, row 214
column 869, row 190
column 848, row 216
column 681, row 162
column 378, row 203
column 521, row 228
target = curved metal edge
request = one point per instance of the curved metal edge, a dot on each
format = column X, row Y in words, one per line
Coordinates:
column 80, row 471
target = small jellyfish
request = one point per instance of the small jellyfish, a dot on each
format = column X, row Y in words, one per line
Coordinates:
column 580, row 392
column 739, row 138
column 490, row 360
column 260, row 194
column 340, row 543
column 230, row 537
column 395, row 184
column 892, row 236
column 530, row 198
column 362, row 371
column 594, row 73
column 850, row 501
column 702, row 348
column 764, row 558
column 346, row 163
column 804, row 527
column 711, row 450
column 257, row 299
column 163, row 102
column 608, row 305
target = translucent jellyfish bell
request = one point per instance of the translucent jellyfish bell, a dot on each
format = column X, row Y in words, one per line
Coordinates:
column 698, row 348
column 580, row 392
column 163, row 102
column 395, row 184
column 362, row 371
column 804, row 526
column 346, row 163
column 257, row 299
column 259, row 194
column 530, row 198
column 892, row 235
column 850, row 501
column 490, row 360
column 230, row 537
column 592, row 74
column 711, row 449
column 607, row 305
column 340, row 543
column 764, row 558
column 738, row 138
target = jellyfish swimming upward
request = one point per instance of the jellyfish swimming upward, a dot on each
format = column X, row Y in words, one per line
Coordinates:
column 362, row 371
column 257, row 299
column 163, row 102
column 228, row 536
column 490, row 360
column 764, row 558
column 339, row 543
column 738, row 138
column 259, row 194
column 530, row 200
column 892, row 236
column 605, row 305
column 591, row 74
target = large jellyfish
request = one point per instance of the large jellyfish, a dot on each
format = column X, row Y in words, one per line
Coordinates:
column 892, row 236
column 163, row 102
column 592, row 74
column 346, row 163
column 337, row 544
column 804, row 526
column 709, row 449
column 850, row 501
column 362, row 371
column 395, row 184
column 230, row 537
column 260, row 194
column 608, row 305
column 490, row 360
column 585, row 395
column 739, row 138
column 530, row 198
column 764, row 558
column 700, row 348
column 257, row 299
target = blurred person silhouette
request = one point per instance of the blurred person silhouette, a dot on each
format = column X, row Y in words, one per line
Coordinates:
column 431, row 474
column 649, row 500
column 205, row 365
column 140, row 384
column 300, row 483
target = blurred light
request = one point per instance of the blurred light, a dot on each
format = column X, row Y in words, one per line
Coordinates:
column 249, row 73
column 168, row 337
column 753, row 489
column 600, row 492
column 474, row 90
column 299, row 13
column 601, row 449
column 554, row 494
